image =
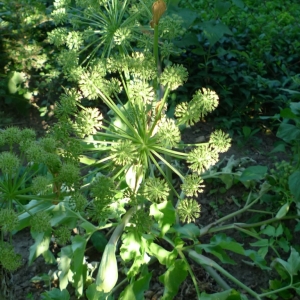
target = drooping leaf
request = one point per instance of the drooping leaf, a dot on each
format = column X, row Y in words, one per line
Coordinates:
column 173, row 278
column 64, row 266
column 218, row 252
column 227, row 243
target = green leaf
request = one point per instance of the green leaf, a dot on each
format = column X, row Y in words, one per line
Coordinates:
column 173, row 278
column 56, row 294
column 93, row 294
column 253, row 173
column 295, row 107
column 269, row 230
column 228, row 179
column 227, row 243
column 41, row 247
column 164, row 256
column 260, row 243
column 164, row 214
column 226, row 295
column 135, row 290
column 218, row 252
column 238, row 3
column 188, row 231
column 131, row 246
column 214, row 31
column 294, row 262
column 99, row 241
column 64, row 265
column 287, row 113
column 78, row 268
column 222, row 7
column 257, row 259
column 294, row 183
column 288, row 132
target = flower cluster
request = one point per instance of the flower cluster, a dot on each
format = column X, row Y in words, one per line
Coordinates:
column 188, row 210
column 155, row 190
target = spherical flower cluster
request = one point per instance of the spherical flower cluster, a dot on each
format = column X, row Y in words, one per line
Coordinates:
column 40, row 184
column 168, row 133
column 10, row 260
column 63, row 235
column 192, row 185
column 174, row 76
column 8, row 220
column 188, row 210
column 220, row 141
column 123, row 153
column 40, row 222
column 9, row 163
column 202, row 158
column 155, row 190
column 68, row 174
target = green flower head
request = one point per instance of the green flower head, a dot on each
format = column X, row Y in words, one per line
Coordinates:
column 188, row 210
column 202, row 158
column 9, row 163
column 10, row 260
column 63, row 235
column 123, row 153
column 78, row 202
column 40, row 222
column 8, row 220
column 155, row 190
column 174, row 76
column 68, row 174
column 220, row 141
column 192, row 185
column 40, row 184
column 12, row 135
column 168, row 133
column 103, row 188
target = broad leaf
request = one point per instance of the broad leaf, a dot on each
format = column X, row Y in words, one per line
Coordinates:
column 227, row 243
column 99, row 241
column 78, row 268
column 164, row 257
column 56, row 294
column 41, row 247
column 288, row 132
column 173, row 278
column 135, row 290
column 64, row 265
column 188, row 231
column 218, row 252
column 253, row 173
column 294, row 183
column 164, row 214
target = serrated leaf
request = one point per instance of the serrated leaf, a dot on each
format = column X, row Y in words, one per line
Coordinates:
column 269, row 230
column 173, row 278
column 288, row 132
column 294, row 262
column 41, row 247
column 257, row 259
column 135, row 290
column 164, row 256
column 294, row 183
column 218, row 252
column 93, row 294
column 214, row 31
column 188, row 231
column 131, row 246
column 227, row 243
column 56, row 294
column 164, row 214
column 253, row 173
column 229, row 294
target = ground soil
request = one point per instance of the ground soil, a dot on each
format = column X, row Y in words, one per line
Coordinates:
column 213, row 206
